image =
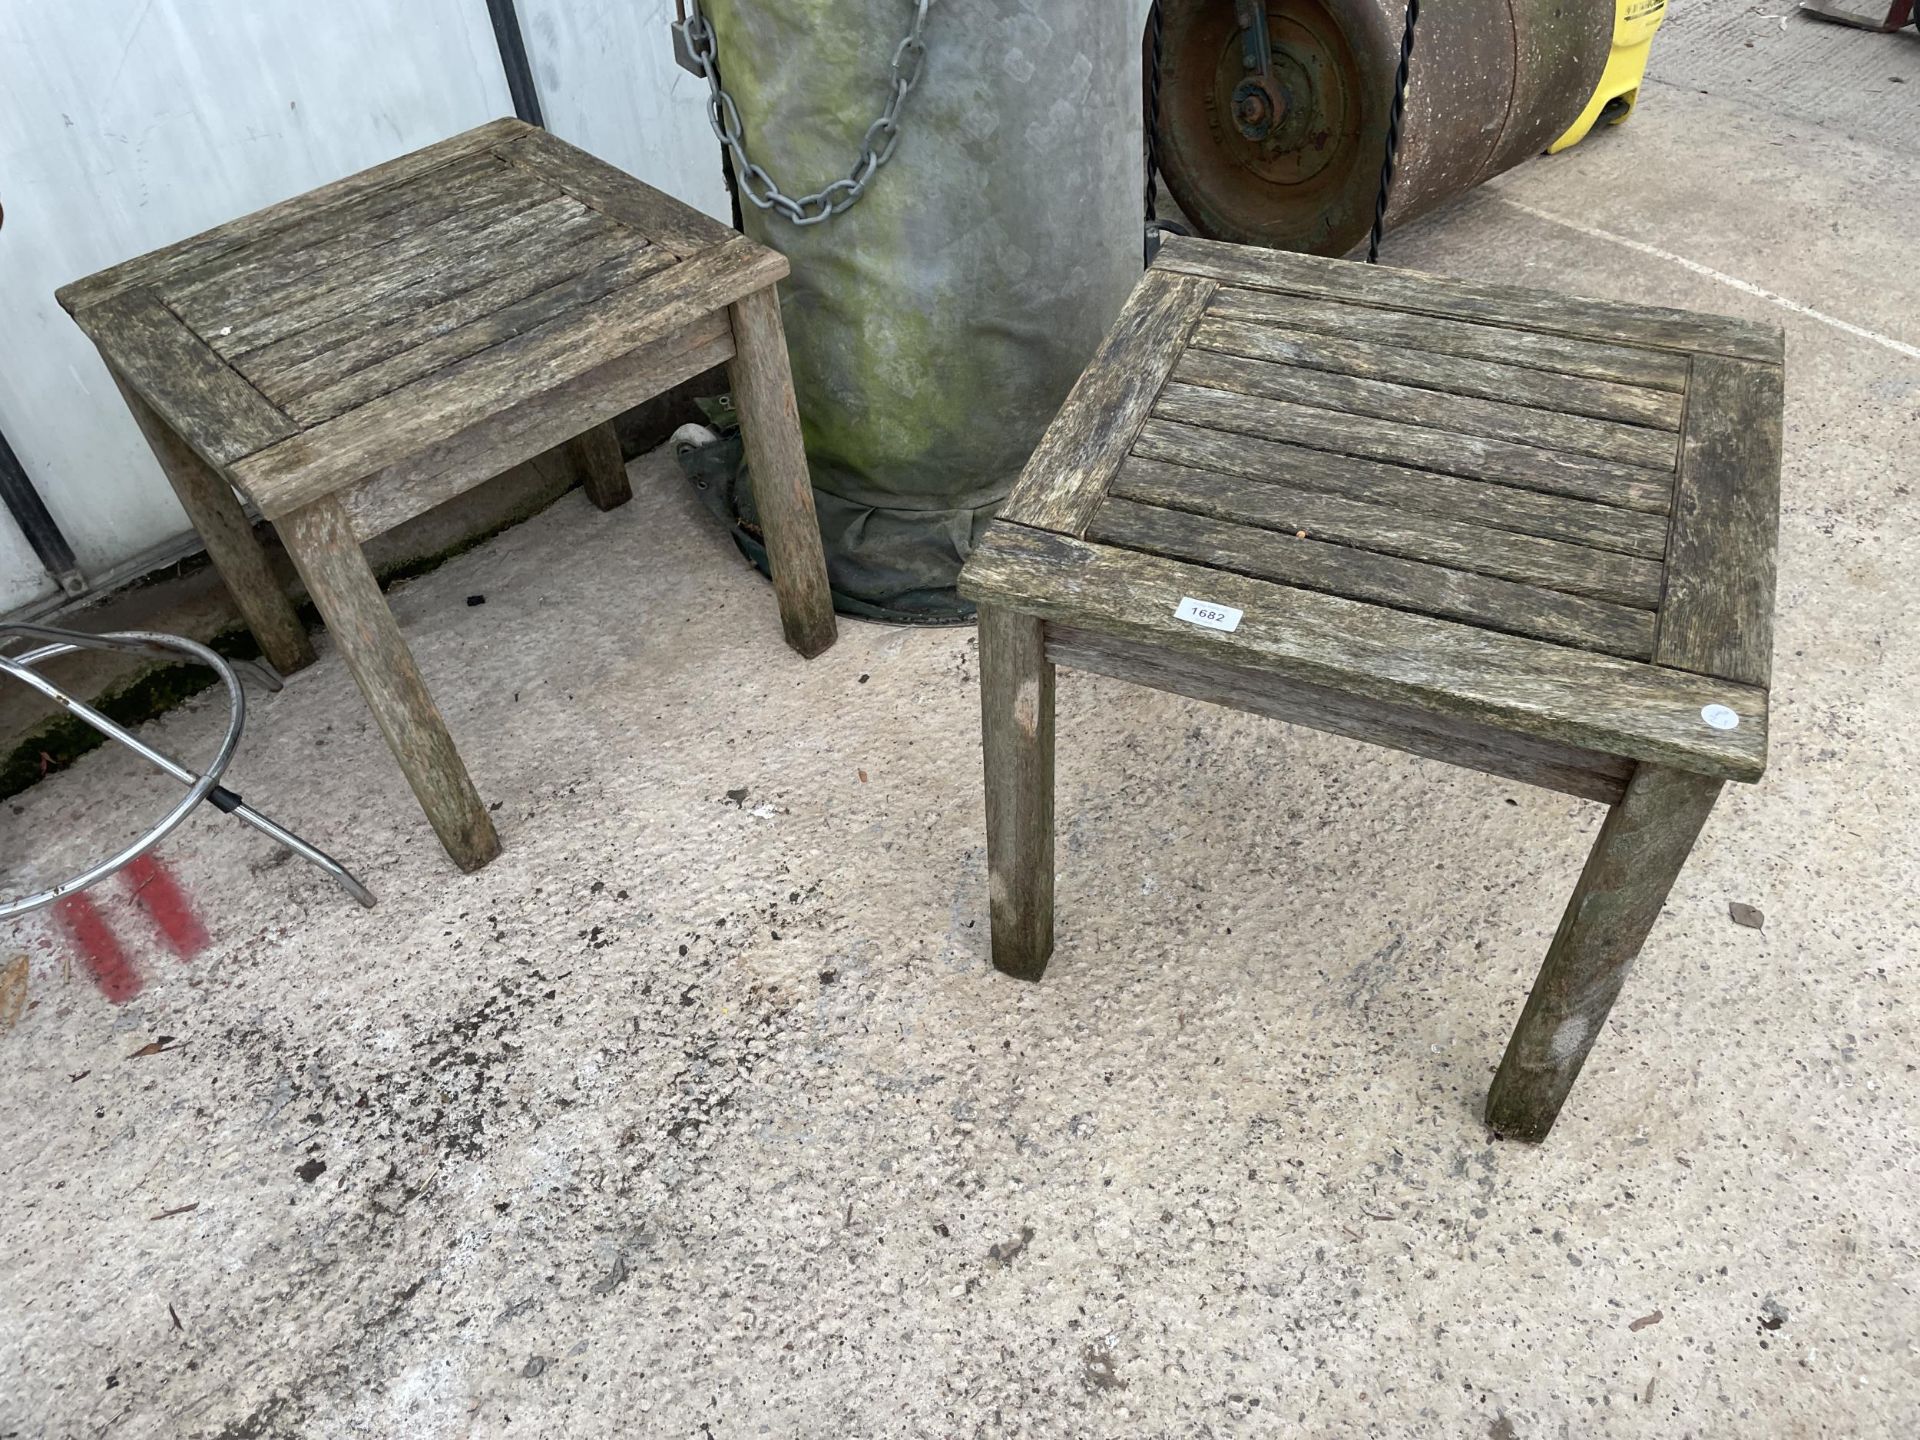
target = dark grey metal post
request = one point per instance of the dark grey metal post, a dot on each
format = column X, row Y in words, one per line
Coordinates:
column 513, row 59
column 30, row 513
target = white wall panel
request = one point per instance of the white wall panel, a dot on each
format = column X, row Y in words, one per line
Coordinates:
column 607, row 82
column 126, row 124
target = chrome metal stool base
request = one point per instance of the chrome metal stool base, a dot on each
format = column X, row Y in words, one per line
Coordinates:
column 204, row 786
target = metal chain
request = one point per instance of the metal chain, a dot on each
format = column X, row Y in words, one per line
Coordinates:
column 1157, row 228
column 1156, row 41
column 876, row 148
column 1399, row 104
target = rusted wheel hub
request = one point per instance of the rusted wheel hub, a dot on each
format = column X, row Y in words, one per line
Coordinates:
column 1256, row 107
column 1265, row 168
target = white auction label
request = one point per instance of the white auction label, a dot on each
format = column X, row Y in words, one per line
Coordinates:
column 1721, row 717
column 1205, row 612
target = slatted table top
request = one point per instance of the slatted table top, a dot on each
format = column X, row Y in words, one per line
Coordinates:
column 309, row 345
column 1555, row 516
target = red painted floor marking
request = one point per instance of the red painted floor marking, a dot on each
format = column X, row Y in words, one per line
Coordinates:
column 99, row 949
column 153, row 888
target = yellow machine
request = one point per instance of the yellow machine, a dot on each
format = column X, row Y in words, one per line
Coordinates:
column 1634, row 22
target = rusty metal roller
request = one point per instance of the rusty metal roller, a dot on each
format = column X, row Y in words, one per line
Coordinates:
column 1291, row 157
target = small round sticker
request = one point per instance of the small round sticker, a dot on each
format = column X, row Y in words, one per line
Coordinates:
column 1720, row 717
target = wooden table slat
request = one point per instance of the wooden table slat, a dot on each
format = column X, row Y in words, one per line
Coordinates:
column 404, row 422
column 1575, row 697
column 1452, row 374
column 1083, row 447
column 1543, row 311
column 245, row 319
column 1413, row 492
column 1389, row 530
column 1380, row 579
column 431, row 356
column 1450, row 413
column 1553, row 471
column 197, row 393
column 157, row 265
column 1463, row 339
column 1718, row 614
column 333, row 237
column 662, row 219
column 462, row 262
column 400, row 319
column 338, row 234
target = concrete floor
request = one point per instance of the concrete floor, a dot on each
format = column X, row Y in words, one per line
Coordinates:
column 700, row 1112
column 1789, row 64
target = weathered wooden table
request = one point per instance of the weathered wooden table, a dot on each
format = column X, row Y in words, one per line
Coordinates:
column 355, row 356
column 1525, row 534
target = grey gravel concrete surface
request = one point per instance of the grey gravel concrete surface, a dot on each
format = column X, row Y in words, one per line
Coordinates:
column 701, row 1113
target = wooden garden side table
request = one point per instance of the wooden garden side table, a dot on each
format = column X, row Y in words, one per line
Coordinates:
column 355, row 356
column 1526, row 534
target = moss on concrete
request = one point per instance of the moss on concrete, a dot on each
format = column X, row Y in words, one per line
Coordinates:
column 153, row 691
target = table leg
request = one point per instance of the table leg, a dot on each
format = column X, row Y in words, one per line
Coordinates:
column 1016, row 717
column 595, row 457
column 320, row 540
column 782, row 488
column 231, row 544
column 1644, row 842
